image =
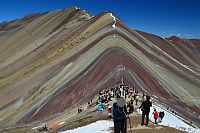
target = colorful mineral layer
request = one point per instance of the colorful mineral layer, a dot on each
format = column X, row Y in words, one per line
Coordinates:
column 53, row 61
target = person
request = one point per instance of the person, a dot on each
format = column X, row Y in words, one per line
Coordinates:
column 79, row 110
column 131, row 101
column 109, row 112
column 155, row 114
column 128, row 107
column 131, row 108
column 134, row 96
column 161, row 115
column 143, row 95
column 119, row 118
column 145, row 107
column 100, row 107
column 136, row 99
column 91, row 101
column 42, row 128
column 45, row 128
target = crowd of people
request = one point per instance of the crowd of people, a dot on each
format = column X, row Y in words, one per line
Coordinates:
column 120, row 115
column 111, row 99
column 120, row 112
column 116, row 92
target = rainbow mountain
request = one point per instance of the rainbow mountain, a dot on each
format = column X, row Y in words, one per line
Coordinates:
column 53, row 61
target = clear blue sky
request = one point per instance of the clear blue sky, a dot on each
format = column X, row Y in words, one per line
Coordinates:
column 160, row 17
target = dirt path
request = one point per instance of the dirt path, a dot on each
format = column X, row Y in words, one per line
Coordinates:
column 151, row 128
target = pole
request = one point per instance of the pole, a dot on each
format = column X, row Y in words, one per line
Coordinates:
column 151, row 118
column 130, row 123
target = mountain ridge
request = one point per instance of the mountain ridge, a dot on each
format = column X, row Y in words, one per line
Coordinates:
column 68, row 50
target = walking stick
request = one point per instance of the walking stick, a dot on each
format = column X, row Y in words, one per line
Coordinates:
column 124, row 129
column 130, row 123
column 151, row 118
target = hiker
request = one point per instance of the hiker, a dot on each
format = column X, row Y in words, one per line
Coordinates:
column 118, row 96
column 131, row 108
column 136, row 99
column 119, row 118
column 128, row 107
column 125, row 94
column 161, row 115
column 155, row 116
column 91, row 101
column 129, row 93
column 45, row 128
column 100, row 107
column 42, row 128
column 79, row 110
column 143, row 95
column 134, row 96
column 109, row 112
column 145, row 107
column 131, row 101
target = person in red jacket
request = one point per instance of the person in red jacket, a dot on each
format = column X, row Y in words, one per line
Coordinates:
column 155, row 114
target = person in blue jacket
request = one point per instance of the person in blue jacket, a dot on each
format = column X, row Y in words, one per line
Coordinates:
column 100, row 107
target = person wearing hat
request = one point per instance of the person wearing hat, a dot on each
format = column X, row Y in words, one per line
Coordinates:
column 145, row 107
column 119, row 117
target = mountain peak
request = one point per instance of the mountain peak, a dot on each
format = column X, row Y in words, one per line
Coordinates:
column 72, row 7
column 177, row 39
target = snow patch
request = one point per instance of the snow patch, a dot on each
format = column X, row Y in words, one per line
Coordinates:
column 114, row 18
column 40, row 126
column 114, row 25
column 102, row 126
column 157, row 65
column 187, row 67
column 61, row 123
column 77, row 8
column 171, row 120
